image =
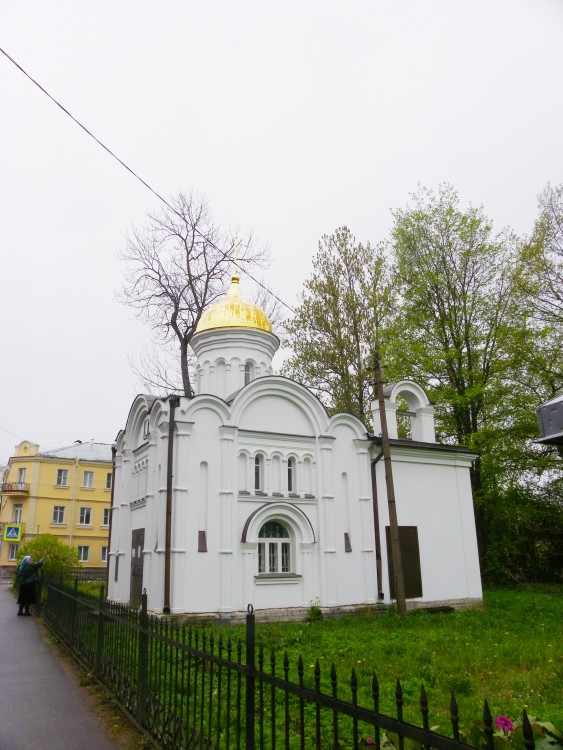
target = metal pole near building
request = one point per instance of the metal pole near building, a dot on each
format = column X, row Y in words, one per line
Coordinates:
column 393, row 524
column 173, row 403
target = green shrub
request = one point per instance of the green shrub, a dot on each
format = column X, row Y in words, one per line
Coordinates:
column 59, row 558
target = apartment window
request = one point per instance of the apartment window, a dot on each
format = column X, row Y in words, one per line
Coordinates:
column 258, row 472
column 62, row 477
column 85, row 516
column 12, row 552
column 83, row 554
column 104, row 556
column 21, row 476
column 17, row 513
column 59, row 514
column 109, row 480
column 274, row 548
column 291, row 475
column 88, row 480
column 107, row 512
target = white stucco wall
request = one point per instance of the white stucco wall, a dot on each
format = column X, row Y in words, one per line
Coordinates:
column 280, row 419
column 433, row 493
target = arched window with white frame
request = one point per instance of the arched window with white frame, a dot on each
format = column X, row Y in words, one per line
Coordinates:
column 259, row 472
column 274, row 548
column 291, row 475
column 248, row 372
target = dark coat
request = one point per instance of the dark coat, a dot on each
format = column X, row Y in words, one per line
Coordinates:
column 28, row 578
column 30, row 573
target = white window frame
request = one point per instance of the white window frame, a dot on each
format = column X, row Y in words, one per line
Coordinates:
column 106, row 516
column 62, row 478
column 291, row 474
column 17, row 513
column 104, row 554
column 259, row 472
column 88, row 480
column 109, row 480
column 248, row 372
column 58, row 510
column 22, row 472
column 85, row 517
column 274, row 552
column 83, row 553
column 13, row 551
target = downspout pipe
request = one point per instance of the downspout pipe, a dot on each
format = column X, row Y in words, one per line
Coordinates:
column 375, row 502
column 173, row 403
column 113, row 453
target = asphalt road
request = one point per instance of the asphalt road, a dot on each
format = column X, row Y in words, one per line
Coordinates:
column 42, row 706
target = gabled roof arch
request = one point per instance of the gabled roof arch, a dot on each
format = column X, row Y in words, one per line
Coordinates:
column 140, row 409
column 349, row 420
column 414, row 394
column 120, row 441
column 278, row 385
column 207, row 401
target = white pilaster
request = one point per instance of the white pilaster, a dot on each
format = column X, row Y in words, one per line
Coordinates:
column 390, row 413
column 423, row 425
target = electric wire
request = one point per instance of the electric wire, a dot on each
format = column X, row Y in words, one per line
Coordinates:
column 136, row 176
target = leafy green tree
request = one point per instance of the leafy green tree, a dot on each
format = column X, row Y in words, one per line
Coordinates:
column 526, row 535
column 346, row 306
column 59, row 558
column 461, row 313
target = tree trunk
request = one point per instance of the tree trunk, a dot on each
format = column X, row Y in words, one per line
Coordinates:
column 186, row 382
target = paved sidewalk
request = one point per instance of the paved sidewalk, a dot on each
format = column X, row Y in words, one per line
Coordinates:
column 42, row 707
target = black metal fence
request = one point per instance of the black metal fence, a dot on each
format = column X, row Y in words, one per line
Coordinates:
column 89, row 574
column 188, row 688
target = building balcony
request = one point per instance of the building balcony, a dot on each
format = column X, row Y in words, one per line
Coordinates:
column 15, row 488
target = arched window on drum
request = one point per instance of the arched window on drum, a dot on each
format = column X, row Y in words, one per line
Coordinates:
column 248, row 372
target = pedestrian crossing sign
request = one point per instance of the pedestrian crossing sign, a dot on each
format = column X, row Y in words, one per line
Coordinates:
column 12, row 532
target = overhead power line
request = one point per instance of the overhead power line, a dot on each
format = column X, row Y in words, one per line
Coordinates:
column 133, row 173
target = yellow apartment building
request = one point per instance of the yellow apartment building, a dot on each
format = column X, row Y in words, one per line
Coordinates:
column 64, row 492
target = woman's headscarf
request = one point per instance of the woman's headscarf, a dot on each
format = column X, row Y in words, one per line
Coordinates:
column 24, row 562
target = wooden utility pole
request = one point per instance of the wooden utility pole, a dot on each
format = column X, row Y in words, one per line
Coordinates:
column 393, row 524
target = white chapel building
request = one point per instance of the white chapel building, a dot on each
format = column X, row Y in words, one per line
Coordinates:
column 250, row 493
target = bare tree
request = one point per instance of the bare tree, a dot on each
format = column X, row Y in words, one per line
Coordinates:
column 158, row 370
column 267, row 301
column 177, row 265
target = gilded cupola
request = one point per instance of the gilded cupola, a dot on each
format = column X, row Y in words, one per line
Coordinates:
column 234, row 344
column 233, row 311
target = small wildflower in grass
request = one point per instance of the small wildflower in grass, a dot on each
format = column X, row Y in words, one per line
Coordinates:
column 369, row 741
column 504, row 723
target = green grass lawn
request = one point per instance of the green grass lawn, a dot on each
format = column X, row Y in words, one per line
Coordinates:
column 509, row 652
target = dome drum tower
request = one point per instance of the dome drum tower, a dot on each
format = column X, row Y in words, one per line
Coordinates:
column 233, row 343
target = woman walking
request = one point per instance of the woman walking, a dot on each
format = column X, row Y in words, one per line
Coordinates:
column 28, row 577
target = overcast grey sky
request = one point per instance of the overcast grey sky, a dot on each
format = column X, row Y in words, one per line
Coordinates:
column 292, row 117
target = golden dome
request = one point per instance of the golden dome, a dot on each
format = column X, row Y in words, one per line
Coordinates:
column 234, row 312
